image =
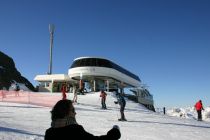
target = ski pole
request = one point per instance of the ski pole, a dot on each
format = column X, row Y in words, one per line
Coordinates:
column 117, row 110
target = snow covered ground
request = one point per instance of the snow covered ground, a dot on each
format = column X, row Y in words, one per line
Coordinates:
column 29, row 122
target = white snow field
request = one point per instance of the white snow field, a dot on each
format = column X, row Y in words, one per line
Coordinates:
column 29, row 122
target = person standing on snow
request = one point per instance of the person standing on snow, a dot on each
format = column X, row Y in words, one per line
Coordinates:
column 103, row 99
column 17, row 89
column 65, row 127
column 199, row 108
column 121, row 101
column 63, row 90
column 75, row 94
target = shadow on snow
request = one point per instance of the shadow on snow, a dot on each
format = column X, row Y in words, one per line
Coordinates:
column 18, row 131
column 178, row 124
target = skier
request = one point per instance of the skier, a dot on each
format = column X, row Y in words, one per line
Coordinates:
column 164, row 110
column 65, row 127
column 75, row 94
column 103, row 99
column 199, row 108
column 63, row 89
column 17, row 88
column 121, row 101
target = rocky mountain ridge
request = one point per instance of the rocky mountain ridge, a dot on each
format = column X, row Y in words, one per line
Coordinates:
column 9, row 74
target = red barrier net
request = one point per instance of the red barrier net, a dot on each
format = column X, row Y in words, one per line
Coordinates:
column 35, row 98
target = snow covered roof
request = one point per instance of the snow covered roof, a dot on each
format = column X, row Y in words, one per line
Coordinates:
column 52, row 77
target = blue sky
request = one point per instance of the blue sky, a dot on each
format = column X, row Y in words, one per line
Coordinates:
column 165, row 42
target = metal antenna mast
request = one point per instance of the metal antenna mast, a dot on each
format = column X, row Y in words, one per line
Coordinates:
column 51, row 29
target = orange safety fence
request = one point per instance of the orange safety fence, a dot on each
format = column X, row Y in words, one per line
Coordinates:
column 26, row 97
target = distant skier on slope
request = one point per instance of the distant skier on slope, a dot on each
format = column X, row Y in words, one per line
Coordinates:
column 103, row 99
column 17, row 89
column 75, row 94
column 63, row 90
column 199, row 108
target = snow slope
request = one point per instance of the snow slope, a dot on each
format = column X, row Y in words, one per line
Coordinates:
column 29, row 122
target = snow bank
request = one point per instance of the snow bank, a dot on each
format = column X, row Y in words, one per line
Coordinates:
column 189, row 113
column 21, row 85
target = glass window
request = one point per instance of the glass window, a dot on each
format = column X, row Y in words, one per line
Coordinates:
column 99, row 62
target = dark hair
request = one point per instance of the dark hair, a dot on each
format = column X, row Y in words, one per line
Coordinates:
column 61, row 109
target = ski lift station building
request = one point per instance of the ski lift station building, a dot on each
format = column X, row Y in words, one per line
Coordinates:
column 92, row 74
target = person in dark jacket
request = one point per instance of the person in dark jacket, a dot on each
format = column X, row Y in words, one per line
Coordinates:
column 199, row 108
column 65, row 127
column 17, row 89
column 121, row 101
